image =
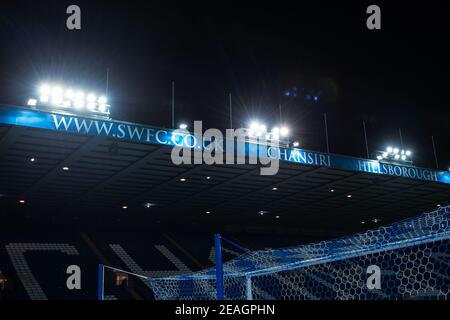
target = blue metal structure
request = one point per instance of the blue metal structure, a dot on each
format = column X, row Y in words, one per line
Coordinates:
column 101, row 282
column 167, row 137
column 219, row 266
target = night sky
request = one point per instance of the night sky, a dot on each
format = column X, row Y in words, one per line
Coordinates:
column 393, row 78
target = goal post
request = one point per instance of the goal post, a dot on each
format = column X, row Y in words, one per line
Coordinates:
column 219, row 266
column 101, row 282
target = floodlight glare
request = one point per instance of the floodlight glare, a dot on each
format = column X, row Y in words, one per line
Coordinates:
column 44, row 90
column 257, row 129
column 102, row 100
column 254, row 126
column 79, row 104
column 395, row 154
column 80, row 95
column 262, row 128
column 102, row 108
column 91, row 105
column 275, row 133
column 91, row 97
column 57, row 91
column 284, row 131
column 57, row 100
column 69, row 94
column 183, row 126
column 380, row 157
column 57, row 97
column 296, row 144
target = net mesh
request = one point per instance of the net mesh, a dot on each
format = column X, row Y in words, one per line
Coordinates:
column 412, row 256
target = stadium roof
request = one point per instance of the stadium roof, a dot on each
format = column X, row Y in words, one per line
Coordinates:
column 61, row 168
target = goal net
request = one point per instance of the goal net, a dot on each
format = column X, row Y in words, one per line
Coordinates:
column 406, row 260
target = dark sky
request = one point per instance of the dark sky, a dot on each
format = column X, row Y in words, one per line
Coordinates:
column 393, row 78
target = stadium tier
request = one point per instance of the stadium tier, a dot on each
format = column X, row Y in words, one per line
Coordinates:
column 83, row 191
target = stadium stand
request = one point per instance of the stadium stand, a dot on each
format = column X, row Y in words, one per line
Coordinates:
column 35, row 262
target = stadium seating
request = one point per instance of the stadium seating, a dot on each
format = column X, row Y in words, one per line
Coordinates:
column 35, row 262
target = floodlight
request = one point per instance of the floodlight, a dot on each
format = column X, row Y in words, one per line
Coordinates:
column 91, row 98
column 57, row 96
column 69, row 94
column 102, row 100
column 91, row 105
column 397, row 154
column 57, row 100
column 272, row 136
column 284, row 131
column 183, row 126
column 296, row 144
column 79, row 95
column 57, row 91
column 102, row 108
column 380, row 157
column 257, row 129
column 275, row 133
column 254, row 126
column 44, row 90
column 262, row 128
column 79, row 104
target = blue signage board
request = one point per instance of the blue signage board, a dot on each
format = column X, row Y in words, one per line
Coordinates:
column 168, row 137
